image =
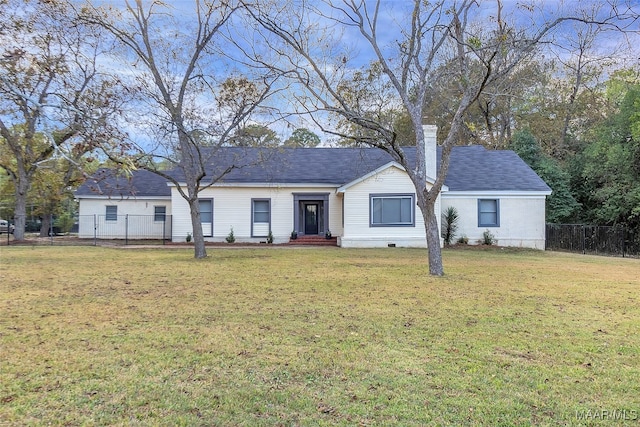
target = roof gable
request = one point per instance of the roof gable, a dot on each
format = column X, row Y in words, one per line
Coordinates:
column 366, row 176
column 381, row 169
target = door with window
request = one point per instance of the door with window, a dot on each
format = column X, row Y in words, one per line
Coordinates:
column 206, row 216
column 311, row 218
column 310, row 213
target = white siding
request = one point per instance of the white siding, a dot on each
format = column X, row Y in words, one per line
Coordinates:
column 522, row 218
column 232, row 208
column 357, row 229
column 261, row 229
column 91, row 220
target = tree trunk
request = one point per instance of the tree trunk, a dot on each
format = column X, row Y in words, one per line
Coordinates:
column 434, row 251
column 45, row 228
column 200, row 251
column 191, row 167
column 20, row 212
column 20, row 217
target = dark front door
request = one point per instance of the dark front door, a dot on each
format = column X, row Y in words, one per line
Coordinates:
column 311, row 218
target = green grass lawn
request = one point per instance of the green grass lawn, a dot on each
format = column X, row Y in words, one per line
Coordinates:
column 100, row 336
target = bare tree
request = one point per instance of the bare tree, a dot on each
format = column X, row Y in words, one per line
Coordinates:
column 584, row 60
column 190, row 97
column 415, row 48
column 53, row 101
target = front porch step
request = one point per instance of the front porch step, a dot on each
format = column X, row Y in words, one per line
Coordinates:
column 314, row 241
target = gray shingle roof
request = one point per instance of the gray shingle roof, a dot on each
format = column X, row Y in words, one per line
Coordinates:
column 333, row 166
column 106, row 182
column 472, row 168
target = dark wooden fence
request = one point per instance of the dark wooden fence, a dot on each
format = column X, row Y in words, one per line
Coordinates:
column 593, row 239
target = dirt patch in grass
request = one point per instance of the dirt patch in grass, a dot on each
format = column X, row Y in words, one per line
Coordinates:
column 315, row 337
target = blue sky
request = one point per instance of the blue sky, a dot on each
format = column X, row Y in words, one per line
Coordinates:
column 390, row 20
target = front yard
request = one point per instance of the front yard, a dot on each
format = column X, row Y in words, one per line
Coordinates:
column 268, row 336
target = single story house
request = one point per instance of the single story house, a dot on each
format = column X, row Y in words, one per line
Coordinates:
column 360, row 195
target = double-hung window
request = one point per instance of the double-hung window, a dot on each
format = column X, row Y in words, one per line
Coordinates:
column 392, row 210
column 206, row 216
column 488, row 213
column 260, row 217
column 111, row 213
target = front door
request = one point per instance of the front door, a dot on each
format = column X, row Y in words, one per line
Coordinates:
column 311, row 218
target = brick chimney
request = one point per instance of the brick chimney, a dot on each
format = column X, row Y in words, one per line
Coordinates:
column 430, row 150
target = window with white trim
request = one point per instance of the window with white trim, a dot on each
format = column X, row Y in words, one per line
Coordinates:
column 392, row 210
column 260, row 210
column 206, row 216
column 111, row 213
column 260, row 217
column 488, row 213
